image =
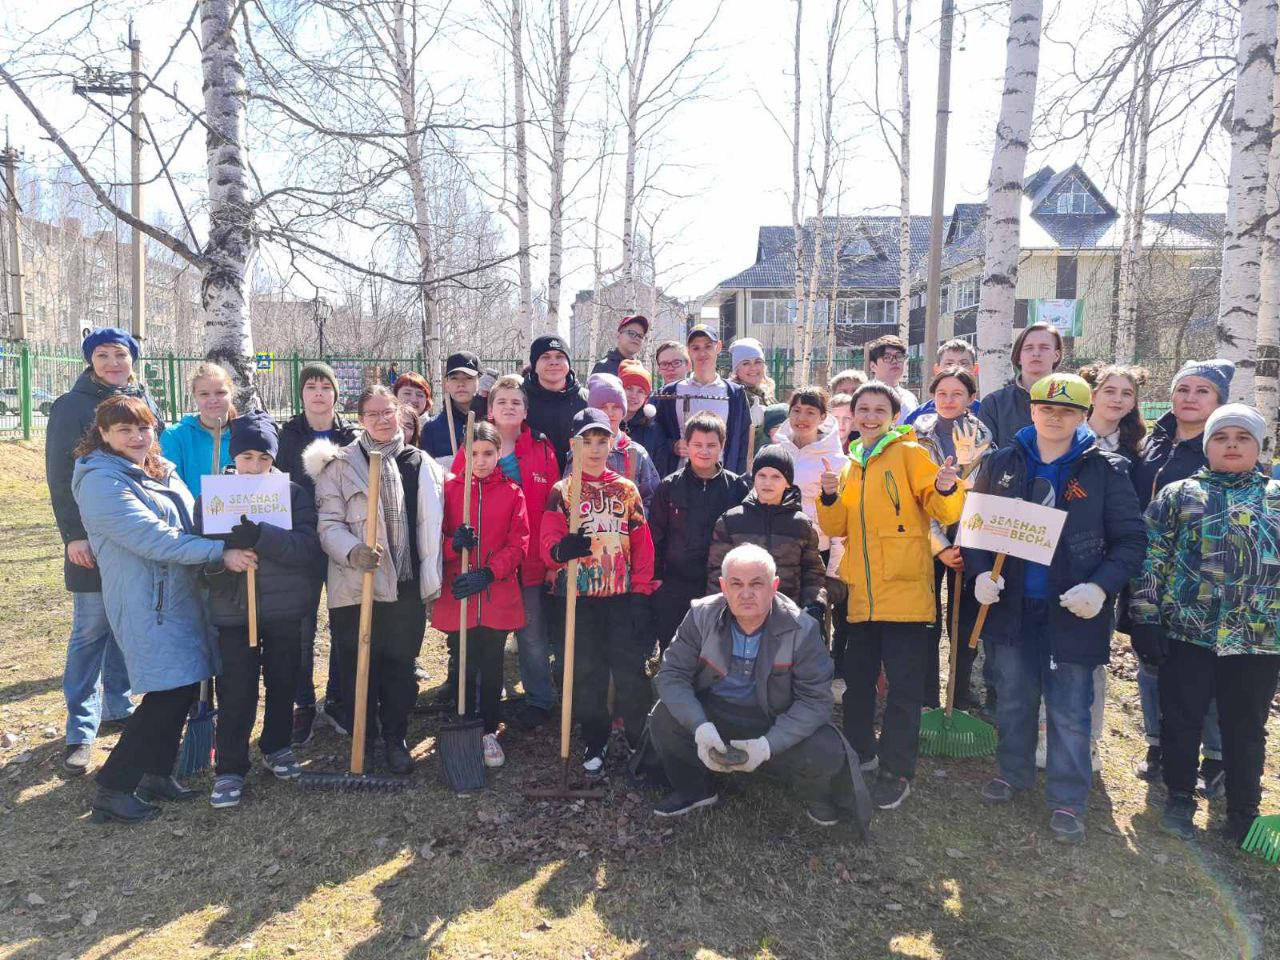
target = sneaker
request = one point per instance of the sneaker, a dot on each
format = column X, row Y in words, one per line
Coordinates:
column 531, row 717
column 399, row 760
column 822, row 812
column 336, row 716
column 870, row 766
column 1066, row 827
column 493, row 755
column 1212, row 781
column 227, row 790
column 1178, row 816
column 1151, row 769
column 890, row 791
column 75, row 759
column 998, row 791
column 154, row 787
column 282, row 763
column 1236, row 826
column 112, row 806
column 838, row 688
column 593, row 765
column 304, row 719
column 676, row 805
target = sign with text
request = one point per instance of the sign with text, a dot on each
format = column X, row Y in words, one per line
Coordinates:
column 1014, row 527
column 264, row 361
column 1066, row 315
column 264, row 498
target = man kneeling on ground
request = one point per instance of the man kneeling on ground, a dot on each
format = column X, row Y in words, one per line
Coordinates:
column 747, row 679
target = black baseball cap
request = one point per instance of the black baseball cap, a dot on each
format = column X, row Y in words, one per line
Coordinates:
column 590, row 419
column 703, row 330
column 464, row 362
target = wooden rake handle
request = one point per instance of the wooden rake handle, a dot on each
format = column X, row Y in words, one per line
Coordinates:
column 466, row 518
column 366, row 617
column 982, row 614
column 570, row 603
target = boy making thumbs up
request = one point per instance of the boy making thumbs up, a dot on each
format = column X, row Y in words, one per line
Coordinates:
column 881, row 503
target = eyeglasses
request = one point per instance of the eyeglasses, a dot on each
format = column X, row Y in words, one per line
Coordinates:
column 671, row 364
column 893, row 357
column 380, row 414
column 633, row 334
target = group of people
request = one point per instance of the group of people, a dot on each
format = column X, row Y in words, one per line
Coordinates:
column 742, row 566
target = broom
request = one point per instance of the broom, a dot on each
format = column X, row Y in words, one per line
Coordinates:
column 946, row 732
column 1263, row 839
column 357, row 781
column 460, row 744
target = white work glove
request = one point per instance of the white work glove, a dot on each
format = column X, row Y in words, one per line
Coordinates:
column 1085, row 600
column 707, row 737
column 757, row 753
column 987, row 589
column 757, row 414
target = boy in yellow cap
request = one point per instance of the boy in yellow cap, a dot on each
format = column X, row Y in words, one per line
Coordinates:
column 1051, row 625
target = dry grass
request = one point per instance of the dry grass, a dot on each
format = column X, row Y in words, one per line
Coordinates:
column 425, row 874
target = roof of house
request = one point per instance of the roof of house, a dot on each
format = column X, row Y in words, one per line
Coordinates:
column 868, row 257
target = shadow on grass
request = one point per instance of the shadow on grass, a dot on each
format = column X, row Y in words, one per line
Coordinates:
column 26, row 689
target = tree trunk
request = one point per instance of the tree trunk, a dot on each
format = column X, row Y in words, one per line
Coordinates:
column 559, row 134
column 902, row 40
column 1126, row 337
column 799, row 362
column 1251, row 122
column 232, row 244
column 1267, row 382
column 1004, row 195
column 635, row 78
column 522, row 167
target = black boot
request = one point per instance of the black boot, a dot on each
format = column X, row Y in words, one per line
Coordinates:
column 1237, row 824
column 112, row 806
column 1151, row 769
column 1179, row 810
column 398, row 759
column 154, row 787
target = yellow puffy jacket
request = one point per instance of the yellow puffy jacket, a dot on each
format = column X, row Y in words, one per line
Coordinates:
column 883, row 506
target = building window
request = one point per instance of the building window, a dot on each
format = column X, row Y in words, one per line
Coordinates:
column 1074, row 198
column 965, row 294
column 857, row 311
column 772, row 310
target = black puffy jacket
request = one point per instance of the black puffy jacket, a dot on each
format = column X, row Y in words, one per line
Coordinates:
column 551, row 413
column 295, row 436
column 683, row 515
column 1165, row 459
column 785, row 531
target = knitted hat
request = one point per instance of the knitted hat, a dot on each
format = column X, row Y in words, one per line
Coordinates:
column 778, row 457
column 774, row 416
column 633, row 374
column 1218, row 372
column 109, row 335
column 318, row 370
column 254, row 430
column 746, row 348
column 548, row 341
column 1236, row 415
column 590, row 419
column 604, row 388
column 1062, row 390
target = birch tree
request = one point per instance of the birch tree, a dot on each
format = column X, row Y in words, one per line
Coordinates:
column 1267, row 382
column 801, row 319
column 1004, row 194
column 525, row 257
column 1251, row 124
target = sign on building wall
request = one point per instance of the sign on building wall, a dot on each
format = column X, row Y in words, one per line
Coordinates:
column 1066, row 315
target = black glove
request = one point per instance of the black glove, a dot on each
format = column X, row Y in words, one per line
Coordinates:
column 1149, row 643
column 464, row 538
column 469, row 584
column 244, row 535
column 572, row 546
column 815, row 610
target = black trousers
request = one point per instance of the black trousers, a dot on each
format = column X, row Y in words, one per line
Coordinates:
column 485, row 648
column 814, row 768
column 150, row 740
column 902, row 648
column 671, row 603
column 933, row 682
column 607, row 644
column 396, row 640
column 276, row 659
column 1244, row 685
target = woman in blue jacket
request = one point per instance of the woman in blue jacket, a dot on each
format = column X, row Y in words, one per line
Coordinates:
column 189, row 444
column 138, row 514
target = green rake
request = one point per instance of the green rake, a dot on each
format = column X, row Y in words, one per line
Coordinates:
column 1263, row 839
column 947, row 732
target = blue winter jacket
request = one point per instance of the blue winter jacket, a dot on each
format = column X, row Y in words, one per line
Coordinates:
column 1035, row 576
column 1103, row 541
column 737, row 429
column 140, row 531
column 190, row 448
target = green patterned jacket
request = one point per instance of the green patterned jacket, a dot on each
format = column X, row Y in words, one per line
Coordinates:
column 1212, row 571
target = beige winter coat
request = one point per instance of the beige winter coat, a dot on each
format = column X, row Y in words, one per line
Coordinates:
column 341, row 476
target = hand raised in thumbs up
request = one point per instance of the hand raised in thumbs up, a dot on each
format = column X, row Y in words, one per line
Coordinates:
column 830, row 480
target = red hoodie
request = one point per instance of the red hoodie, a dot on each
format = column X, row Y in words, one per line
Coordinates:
column 502, row 524
column 621, row 558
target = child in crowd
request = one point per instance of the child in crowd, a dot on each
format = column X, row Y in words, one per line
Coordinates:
column 189, row 443
column 496, row 534
column 1204, row 612
column 615, row 578
column 286, row 571
column 627, row 457
column 641, row 423
column 882, row 502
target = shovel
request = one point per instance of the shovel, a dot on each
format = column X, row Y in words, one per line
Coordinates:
column 570, row 627
column 357, row 781
column 461, row 742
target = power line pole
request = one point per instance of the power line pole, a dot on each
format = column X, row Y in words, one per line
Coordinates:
column 933, row 288
column 138, row 250
column 9, row 157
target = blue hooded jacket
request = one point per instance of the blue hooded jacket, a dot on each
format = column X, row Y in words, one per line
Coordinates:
column 1048, row 493
column 189, row 445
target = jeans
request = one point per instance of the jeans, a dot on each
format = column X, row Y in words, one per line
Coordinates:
column 305, row 693
column 1025, row 673
column 533, row 643
column 150, row 740
column 902, row 649
column 1244, row 686
column 93, row 657
column 1149, row 696
column 276, row 658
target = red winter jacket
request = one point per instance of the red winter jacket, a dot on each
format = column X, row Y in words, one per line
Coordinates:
column 501, row 522
column 539, row 470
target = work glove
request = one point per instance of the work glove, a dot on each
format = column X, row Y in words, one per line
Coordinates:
column 757, row 414
column 707, row 737
column 464, row 538
column 1085, row 600
column 1149, row 643
column 987, row 589
column 244, row 535
column 469, row 584
column 362, row 558
column 757, row 751
column 815, row 610
column 572, row 546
